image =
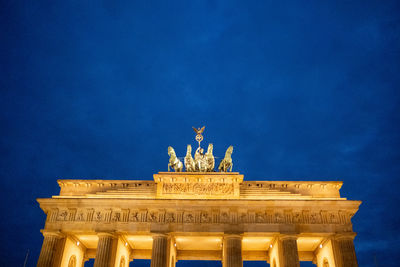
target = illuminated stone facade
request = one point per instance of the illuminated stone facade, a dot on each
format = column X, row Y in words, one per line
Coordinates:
column 198, row 216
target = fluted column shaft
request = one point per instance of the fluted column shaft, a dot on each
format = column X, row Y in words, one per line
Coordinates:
column 344, row 252
column 289, row 253
column 232, row 251
column 51, row 250
column 159, row 253
column 106, row 250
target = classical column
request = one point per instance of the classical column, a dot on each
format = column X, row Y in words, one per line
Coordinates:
column 289, row 254
column 232, row 251
column 52, row 248
column 283, row 252
column 160, row 251
column 106, row 250
column 344, row 252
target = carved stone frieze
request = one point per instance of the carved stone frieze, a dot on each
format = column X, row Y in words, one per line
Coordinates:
column 198, row 188
column 169, row 217
column 188, row 217
column 223, row 216
column 134, row 216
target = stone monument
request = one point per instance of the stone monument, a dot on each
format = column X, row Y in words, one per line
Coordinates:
column 198, row 214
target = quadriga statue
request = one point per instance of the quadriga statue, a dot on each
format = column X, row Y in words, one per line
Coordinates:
column 199, row 160
column 174, row 162
column 210, row 158
column 190, row 165
column 226, row 163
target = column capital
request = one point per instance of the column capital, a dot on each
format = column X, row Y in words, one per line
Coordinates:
column 53, row 233
column 155, row 234
column 344, row 236
column 106, row 234
column 288, row 237
column 233, row 235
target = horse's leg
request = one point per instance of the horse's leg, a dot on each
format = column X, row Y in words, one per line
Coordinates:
column 169, row 164
column 231, row 166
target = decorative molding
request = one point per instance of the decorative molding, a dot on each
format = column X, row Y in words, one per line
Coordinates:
column 222, row 216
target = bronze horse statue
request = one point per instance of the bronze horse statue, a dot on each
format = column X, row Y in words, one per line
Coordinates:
column 174, row 162
column 190, row 165
column 226, row 163
column 210, row 158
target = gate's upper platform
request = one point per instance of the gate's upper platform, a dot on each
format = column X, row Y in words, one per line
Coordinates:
column 198, row 185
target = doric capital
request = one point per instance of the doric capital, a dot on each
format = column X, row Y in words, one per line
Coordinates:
column 344, row 236
column 288, row 237
column 233, row 236
column 159, row 235
column 56, row 233
column 106, row 234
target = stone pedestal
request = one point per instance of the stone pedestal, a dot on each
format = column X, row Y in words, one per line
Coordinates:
column 52, row 248
column 106, row 250
column 232, row 251
column 160, row 251
column 344, row 252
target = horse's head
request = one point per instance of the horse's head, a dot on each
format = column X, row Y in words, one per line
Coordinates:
column 210, row 149
column 189, row 150
column 229, row 151
column 170, row 151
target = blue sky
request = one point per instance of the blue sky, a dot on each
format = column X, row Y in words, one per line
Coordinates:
column 304, row 90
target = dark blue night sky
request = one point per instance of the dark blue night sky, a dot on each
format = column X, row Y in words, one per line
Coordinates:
column 305, row 90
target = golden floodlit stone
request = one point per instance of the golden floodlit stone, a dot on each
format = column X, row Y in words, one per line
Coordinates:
column 198, row 216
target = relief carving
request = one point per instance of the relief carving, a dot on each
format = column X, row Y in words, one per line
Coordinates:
column 169, row 217
column 62, row 216
column 152, row 216
column 198, row 188
column 116, row 217
column 188, row 218
column 98, row 217
column 214, row 216
column 243, row 218
column 134, row 216
column 80, row 217
column 279, row 217
column 333, row 218
column 224, row 218
column 297, row 217
column 205, row 218
column 315, row 218
column 260, row 218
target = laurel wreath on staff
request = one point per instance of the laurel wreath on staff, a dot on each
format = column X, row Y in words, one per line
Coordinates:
column 199, row 136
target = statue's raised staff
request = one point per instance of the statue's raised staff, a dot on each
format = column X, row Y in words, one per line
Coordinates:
column 174, row 162
column 226, row 163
